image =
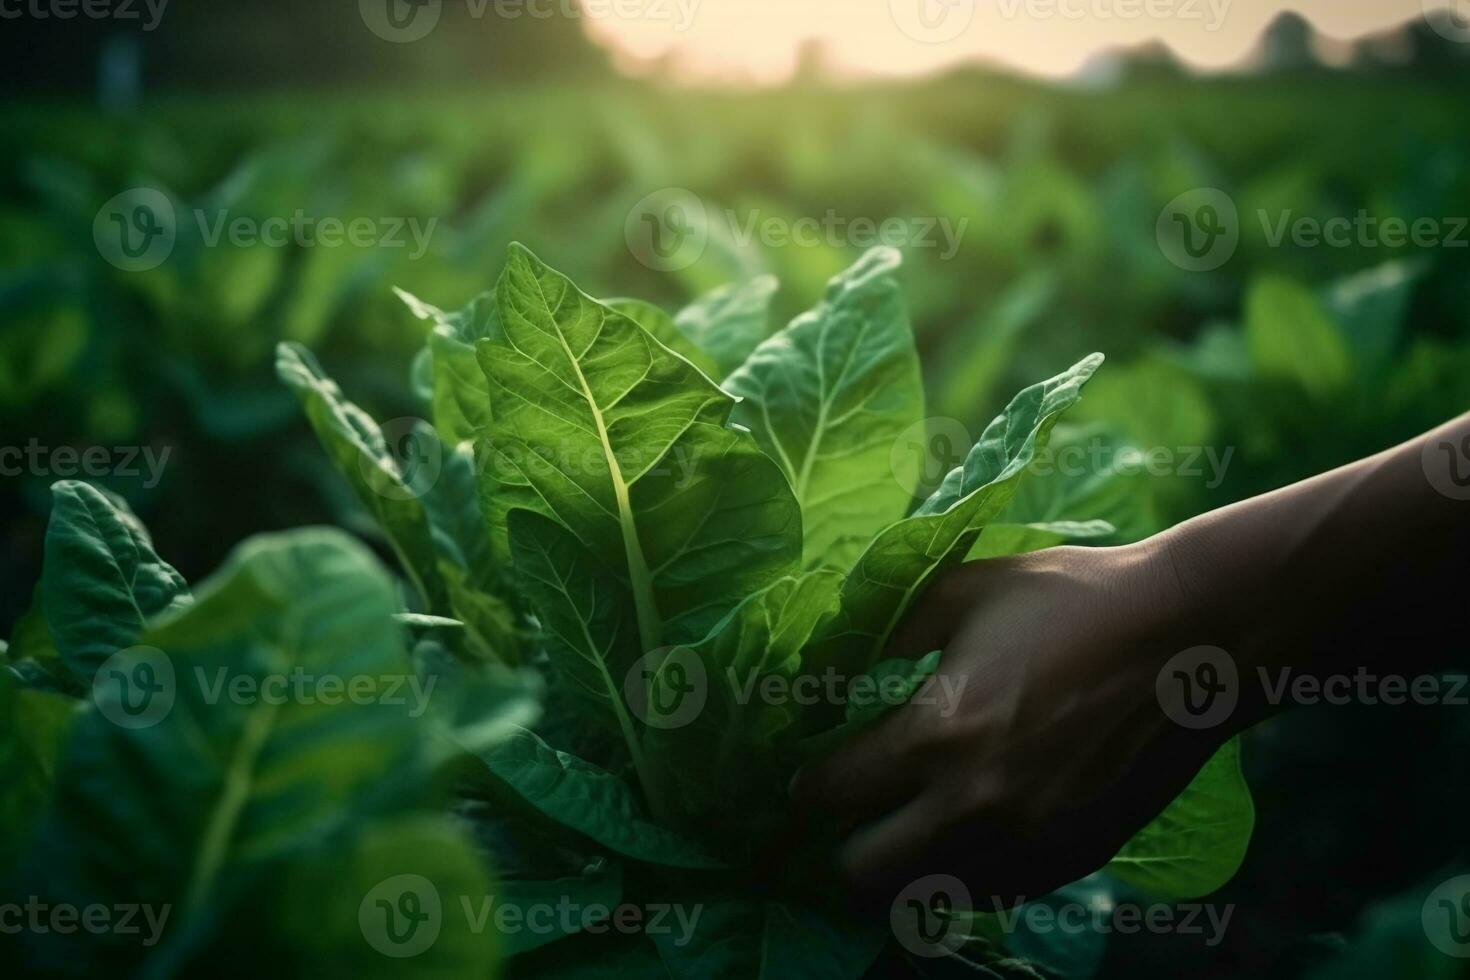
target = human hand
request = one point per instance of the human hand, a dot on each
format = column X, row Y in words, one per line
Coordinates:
column 1055, row 750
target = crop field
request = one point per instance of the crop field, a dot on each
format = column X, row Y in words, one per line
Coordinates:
column 405, row 495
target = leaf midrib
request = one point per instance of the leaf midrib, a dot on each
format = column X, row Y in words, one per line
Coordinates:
column 640, row 580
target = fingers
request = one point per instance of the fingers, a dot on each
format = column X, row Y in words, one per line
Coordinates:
column 864, row 778
column 878, row 859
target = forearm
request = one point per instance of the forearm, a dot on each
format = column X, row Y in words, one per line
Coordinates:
column 1363, row 566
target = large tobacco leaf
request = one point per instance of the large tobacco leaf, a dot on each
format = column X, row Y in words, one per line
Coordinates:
column 904, row 557
column 588, row 801
column 828, row 397
column 645, row 495
column 101, row 579
column 245, row 816
column 423, row 495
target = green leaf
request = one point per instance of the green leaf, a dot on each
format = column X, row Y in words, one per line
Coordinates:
column 1197, row 844
column 828, row 398
column 598, row 886
column 998, row 540
column 341, row 912
column 473, row 580
column 589, row 633
column 102, row 578
column 33, row 725
column 1292, row 337
column 661, row 325
column 893, row 682
column 188, row 794
column 590, row 801
column 360, row 452
column 607, row 432
column 729, row 322
column 730, row 748
column 1370, row 308
column 459, row 394
column 32, row 654
column 475, row 705
column 904, row 558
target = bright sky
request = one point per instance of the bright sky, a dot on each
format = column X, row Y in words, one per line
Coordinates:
column 758, row 40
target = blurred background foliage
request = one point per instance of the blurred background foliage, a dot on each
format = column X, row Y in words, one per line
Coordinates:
column 1291, row 359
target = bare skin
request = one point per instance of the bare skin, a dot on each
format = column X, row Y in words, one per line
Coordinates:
column 1059, row 750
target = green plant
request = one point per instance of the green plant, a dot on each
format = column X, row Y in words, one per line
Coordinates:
column 671, row 538
column 219, row 780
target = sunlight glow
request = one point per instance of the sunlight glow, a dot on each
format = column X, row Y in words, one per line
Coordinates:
column 760, row 41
